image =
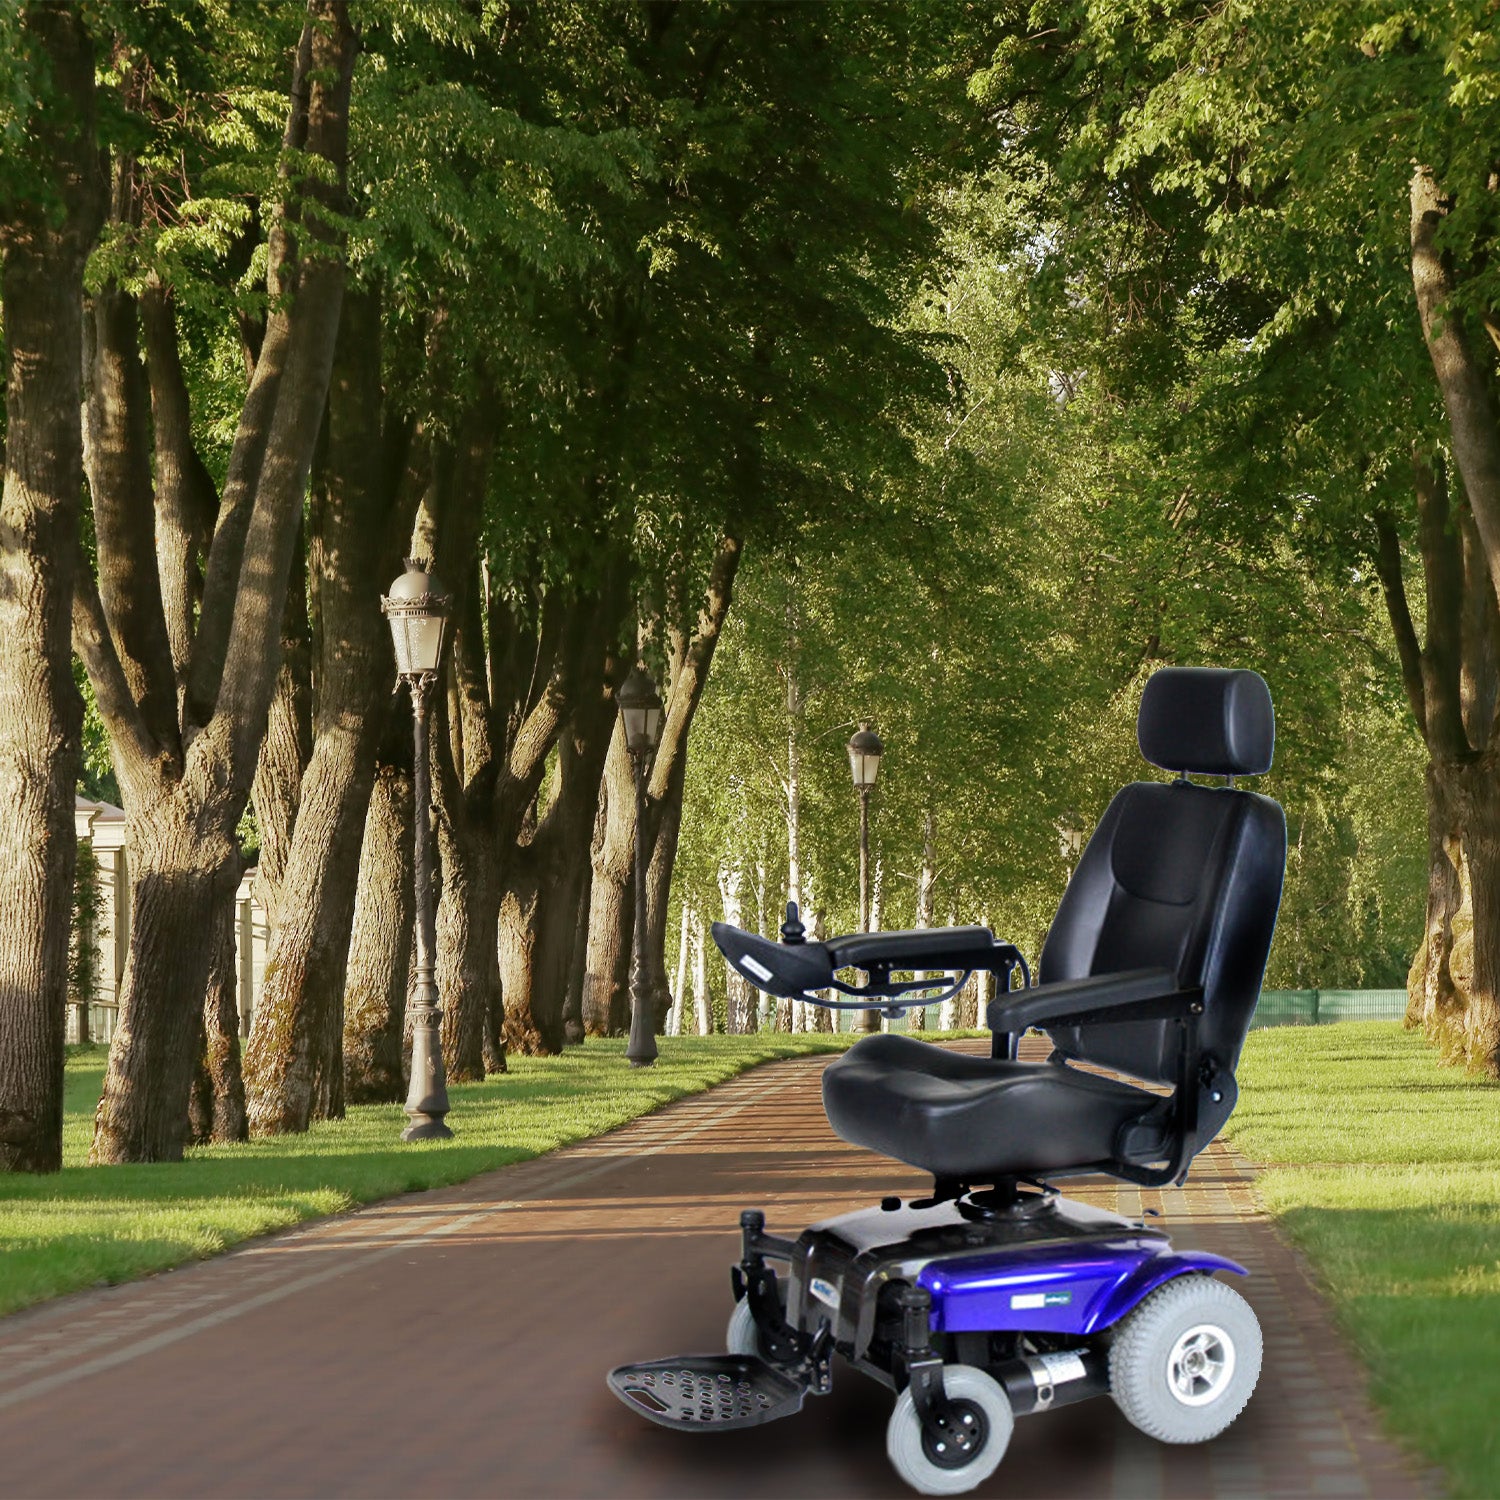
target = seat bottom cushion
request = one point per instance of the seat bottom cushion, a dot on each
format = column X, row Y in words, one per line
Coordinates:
column 975, row 1118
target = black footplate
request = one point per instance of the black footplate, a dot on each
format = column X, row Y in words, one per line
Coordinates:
column 707, row 1392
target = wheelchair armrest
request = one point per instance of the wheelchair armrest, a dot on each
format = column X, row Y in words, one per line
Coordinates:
column 946, row 948
column 785, row 970
column 1134, row 995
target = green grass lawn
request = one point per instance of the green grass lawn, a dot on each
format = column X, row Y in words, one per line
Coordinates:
column 1385, row 1168
column 88, row 1225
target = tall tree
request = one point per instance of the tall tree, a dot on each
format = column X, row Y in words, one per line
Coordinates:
column 359, row 522
column 50, row 209
column 1278, row 297
column 185, row 738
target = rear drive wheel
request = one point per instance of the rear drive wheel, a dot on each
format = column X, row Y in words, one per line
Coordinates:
column 1185, row 1362
column 971, row 1444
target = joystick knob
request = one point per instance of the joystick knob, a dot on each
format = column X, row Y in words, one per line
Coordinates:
column 792, row 930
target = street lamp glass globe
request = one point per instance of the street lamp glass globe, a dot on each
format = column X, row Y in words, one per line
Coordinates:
column 417, row 608
column 641, row 709
column 865, row 750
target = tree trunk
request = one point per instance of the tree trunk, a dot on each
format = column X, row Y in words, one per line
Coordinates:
column 539, row 917
column 578, row 957
column 287, row 747
column 659, row 894
column 953, row 1009
column 40, row 711
column 295, row 1070
column 606, row 995
column 185, row 873
column 1455, row 980
column 294, row 1060
column 1473, row 422
column 217, row 1111
column 738, row 995
column 819, row 1017
column 703, row 1013
column 468, row 924
column 976, row 995
column 679, row 990
column 926, row 880
column 877, row 911
column 606, row 999
column 380, row 947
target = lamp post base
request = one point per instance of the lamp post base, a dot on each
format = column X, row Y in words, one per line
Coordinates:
column 426, row 1128
column 642, row 1062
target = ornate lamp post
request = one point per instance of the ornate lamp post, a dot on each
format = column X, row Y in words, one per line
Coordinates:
column 641, row 712
column 417, row 609
column 865, row 750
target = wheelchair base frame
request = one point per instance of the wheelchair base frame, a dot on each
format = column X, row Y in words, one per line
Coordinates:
column 1020, row 1283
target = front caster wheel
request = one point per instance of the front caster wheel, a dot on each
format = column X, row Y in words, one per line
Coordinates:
column 952, row 1463
column 1185, row 1362
column 742, row 1336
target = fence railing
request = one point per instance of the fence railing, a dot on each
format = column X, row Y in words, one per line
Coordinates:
column 1320, row 1007
column 1275, row 1008
column 103, row 1014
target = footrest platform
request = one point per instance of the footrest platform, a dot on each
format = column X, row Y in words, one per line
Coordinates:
column 708, row 1392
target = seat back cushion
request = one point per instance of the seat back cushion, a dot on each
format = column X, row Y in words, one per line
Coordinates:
column 1181, row 877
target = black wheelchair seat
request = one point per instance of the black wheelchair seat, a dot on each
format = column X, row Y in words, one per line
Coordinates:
column 1151, row 969
column 976, row 1118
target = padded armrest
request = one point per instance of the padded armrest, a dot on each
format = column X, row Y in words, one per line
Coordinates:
column 1134, row 995
column 785, row 970
column 920, row 948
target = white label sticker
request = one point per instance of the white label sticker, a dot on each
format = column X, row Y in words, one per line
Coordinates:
column 1024, row 1301
column 759, row 970
column 824, row 1291
column 1063, row 1366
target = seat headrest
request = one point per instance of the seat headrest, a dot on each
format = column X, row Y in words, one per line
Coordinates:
column 1212, row 720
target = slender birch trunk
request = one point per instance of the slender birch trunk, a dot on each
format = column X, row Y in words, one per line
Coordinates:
column 679, row 989
column 737, row 989
column 703, row 1014
column 926, row 880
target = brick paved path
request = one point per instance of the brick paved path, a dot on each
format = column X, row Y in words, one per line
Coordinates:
column 454, row 1343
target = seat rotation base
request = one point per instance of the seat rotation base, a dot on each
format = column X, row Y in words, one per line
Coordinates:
column 708, row 1392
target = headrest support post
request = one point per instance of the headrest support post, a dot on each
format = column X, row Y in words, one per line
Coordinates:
column 1211, row 721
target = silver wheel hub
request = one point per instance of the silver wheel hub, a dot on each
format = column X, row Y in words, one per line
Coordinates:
column 1200, row 1365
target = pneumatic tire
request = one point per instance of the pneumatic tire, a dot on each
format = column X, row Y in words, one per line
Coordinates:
column 1185, row 1362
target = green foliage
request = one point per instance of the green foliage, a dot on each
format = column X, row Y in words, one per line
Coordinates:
column 997, row 608
column 83, row 948
column 96, row 779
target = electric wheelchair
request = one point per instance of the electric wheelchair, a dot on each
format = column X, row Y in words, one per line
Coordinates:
column 995, row 1296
